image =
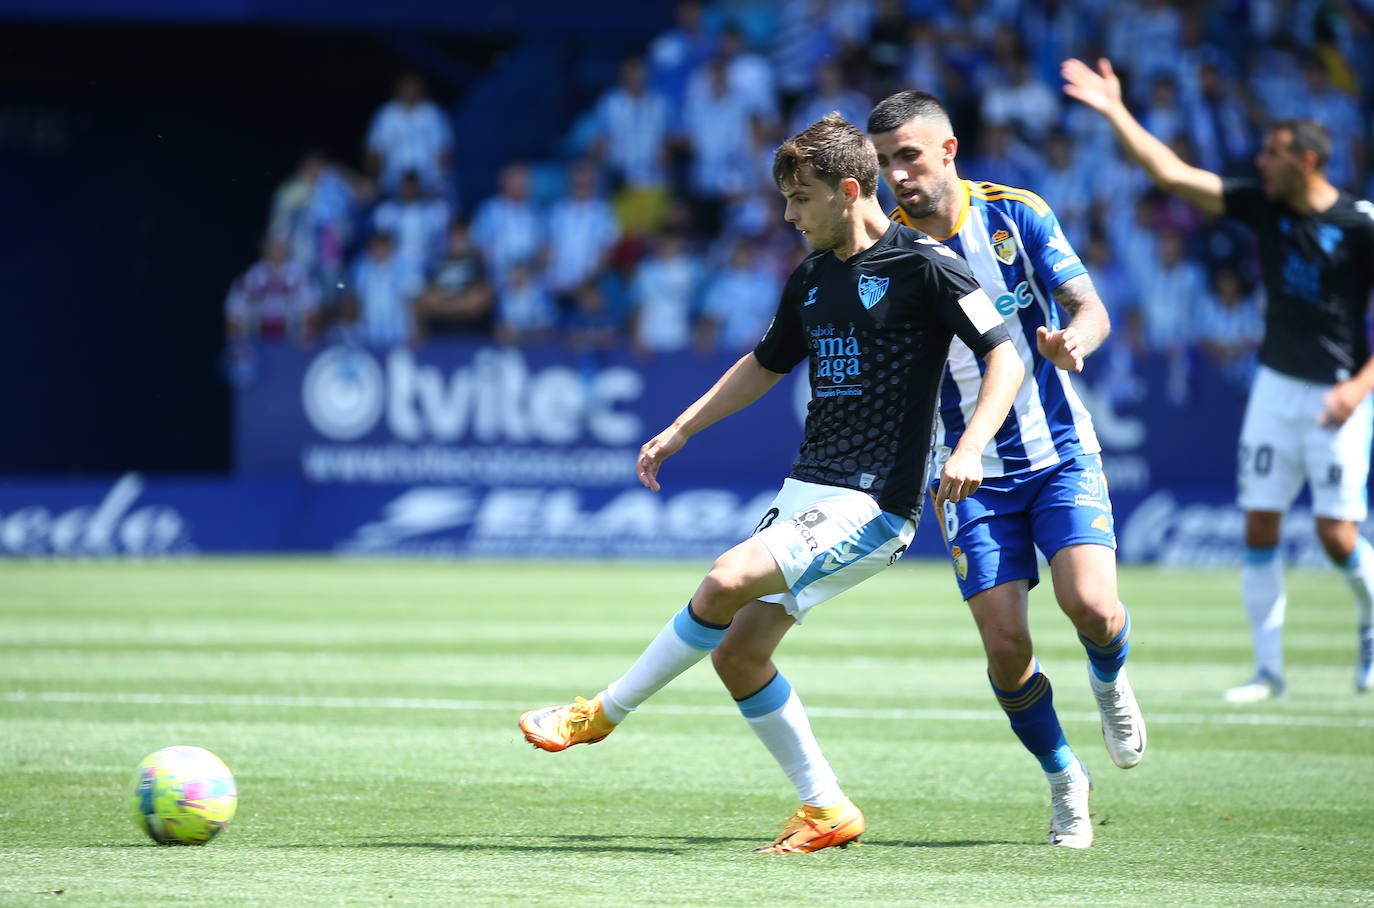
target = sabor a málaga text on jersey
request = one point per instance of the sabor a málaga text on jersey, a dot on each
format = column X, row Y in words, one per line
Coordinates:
column 876, row 329
column 1019, row 254
column 1318, row 274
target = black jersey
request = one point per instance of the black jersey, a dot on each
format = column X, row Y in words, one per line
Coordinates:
column 877, row 330
column 1318, row 275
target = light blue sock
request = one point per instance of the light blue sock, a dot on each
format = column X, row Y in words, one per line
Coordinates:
column 683, row 642
column 1358, row 571
column 776, row 715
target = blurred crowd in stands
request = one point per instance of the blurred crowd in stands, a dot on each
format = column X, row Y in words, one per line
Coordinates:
column 657, row 225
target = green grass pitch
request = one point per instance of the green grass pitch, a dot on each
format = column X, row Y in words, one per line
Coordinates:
column 368, row 711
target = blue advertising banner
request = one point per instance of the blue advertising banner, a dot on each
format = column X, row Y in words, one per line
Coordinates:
column 467, row 413
column 137, row 516
column 470, row 413
column 149, row 517
column 476, row 451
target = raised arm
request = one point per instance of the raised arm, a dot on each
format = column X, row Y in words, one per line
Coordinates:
column 742, row 384
column 1100, row 89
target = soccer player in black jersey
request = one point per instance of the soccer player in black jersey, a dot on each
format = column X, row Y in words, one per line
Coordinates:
column 1310, row 416
column 873, row 311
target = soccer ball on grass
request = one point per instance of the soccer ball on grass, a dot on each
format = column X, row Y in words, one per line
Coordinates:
column 185, row 796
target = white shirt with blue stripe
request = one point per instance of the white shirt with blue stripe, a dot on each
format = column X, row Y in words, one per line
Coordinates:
column 1017, row 250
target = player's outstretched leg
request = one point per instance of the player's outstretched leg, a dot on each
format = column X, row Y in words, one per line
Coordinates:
column 1123, row 724
column 683, row 642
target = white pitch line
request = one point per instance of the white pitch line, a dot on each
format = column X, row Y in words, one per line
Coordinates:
column 834, row 712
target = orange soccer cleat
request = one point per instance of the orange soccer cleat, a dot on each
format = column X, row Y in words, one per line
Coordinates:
column 555, row 728
column 813, row 828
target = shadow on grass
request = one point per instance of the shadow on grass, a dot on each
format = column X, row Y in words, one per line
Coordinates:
column 603, row 844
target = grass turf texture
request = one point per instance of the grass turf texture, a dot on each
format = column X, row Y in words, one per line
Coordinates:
column 368, row 711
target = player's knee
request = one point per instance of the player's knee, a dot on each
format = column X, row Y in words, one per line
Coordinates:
column 1338, row 538
column 1008, row 655
column 1095, row 615
column 720, row 594
column 1262, row 529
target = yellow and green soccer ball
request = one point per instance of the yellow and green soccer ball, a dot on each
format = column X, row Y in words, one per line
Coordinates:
column 185, row 796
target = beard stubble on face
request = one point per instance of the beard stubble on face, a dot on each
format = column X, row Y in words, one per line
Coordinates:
column 926, row 204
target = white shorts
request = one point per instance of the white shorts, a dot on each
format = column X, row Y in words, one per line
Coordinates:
column 1282, row 446
column 826, row 540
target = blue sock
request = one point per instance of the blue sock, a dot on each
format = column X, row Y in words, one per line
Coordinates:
column 1107, row 659
column 766, row 699
column 1033, row 719
column 696, row 633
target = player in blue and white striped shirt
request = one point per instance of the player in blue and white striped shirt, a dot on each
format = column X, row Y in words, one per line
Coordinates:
column 1043, row 485
column 1042, row 476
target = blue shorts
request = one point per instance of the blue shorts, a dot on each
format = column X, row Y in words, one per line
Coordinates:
column 992, row 535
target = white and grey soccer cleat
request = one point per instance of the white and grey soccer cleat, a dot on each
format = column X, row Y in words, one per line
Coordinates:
column 1123, row 725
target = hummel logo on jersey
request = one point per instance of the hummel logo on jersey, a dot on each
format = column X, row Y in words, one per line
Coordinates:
column 838, row 557
column 872, row 289
column 1058, row 242
column 810, row 296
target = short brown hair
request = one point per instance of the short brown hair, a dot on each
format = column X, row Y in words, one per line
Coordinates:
column 835, row 149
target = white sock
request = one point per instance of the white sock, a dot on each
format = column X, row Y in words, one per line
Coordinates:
column 1359, row 576
column 666, row 657
column 1261, row 589
column 1074, row 772
column 786, row 732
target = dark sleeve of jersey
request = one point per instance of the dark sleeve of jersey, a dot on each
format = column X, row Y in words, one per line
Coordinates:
column 964, row 305
column 1243, row 200
column 784, row 344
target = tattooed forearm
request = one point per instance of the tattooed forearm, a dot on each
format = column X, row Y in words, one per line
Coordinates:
column 1087, row 315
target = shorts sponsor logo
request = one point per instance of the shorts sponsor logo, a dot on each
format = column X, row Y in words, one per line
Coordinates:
column 804, row 522
column 1094, row 493
column 1102, row 523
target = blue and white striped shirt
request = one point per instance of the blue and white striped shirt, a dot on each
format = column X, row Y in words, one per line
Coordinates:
column 1017, row 250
